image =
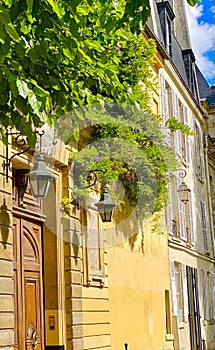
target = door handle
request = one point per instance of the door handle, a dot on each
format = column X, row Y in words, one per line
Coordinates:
column 32, row 336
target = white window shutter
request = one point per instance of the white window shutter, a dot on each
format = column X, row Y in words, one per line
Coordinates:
column 213, row 294
column 185, row 295
column 204, row 226
column 173, row 288
column 206, row 296
column 192, row 233
column 201, row 153
column 195, row 151
column 201, row 290
column 165, row 109
column 181, row 215
column 187, row 137
column 176, row 114
column 169, row 212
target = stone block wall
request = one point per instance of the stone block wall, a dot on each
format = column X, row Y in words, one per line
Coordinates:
column 6, row 261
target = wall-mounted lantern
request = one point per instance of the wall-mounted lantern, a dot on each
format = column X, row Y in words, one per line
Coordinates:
column 105, row 205
column 183, row 189
column 39, row 177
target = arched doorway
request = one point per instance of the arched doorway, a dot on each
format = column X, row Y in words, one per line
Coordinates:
column 28, row 284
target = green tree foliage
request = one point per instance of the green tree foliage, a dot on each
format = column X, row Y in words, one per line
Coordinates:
column 56, row 55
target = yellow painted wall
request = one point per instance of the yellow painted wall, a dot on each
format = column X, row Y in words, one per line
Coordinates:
column 138, row 277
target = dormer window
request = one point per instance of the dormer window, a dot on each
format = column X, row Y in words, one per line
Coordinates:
column 166, row 15
column 189, row 63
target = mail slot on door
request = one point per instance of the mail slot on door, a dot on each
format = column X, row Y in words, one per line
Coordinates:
column 52, row 322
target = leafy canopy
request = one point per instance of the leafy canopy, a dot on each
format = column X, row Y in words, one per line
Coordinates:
column 56, row 55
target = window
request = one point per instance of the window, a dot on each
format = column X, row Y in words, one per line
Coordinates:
column 171, row 212
column 204, row 226
column 182, row 215
column 93, row 257
column 189, row 64
column 179, row 296
column 209, row 295
column 199, row 152
column 168, row 35
column 165, row 108
column 166, row 15
column 191, row 232
column 179, row 291
column 175, row 113
column 179, row 215
column 173, row 108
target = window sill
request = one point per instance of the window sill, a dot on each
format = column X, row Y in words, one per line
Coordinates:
column 208, row 322
column 206, row 253
column 184, row 162
column 176, row 239
column 200, row 179
column 181, row 325
column 169, row 337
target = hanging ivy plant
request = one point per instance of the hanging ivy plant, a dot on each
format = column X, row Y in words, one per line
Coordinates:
column 129, row 153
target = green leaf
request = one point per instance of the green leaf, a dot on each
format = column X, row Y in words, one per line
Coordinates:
column 56, row 8
column 94, row 45
column 30, row 4
column 39, row 91
column 12, row 32
column 22, row 106
column 4, row 16
column 75, row 130
column 2, row 34
column 55, row 83
column 31, row 138
column 68, row 53
column 14, row 89
column 20, row 50
column 22, row 88
column 192, row 2
column 34, row 103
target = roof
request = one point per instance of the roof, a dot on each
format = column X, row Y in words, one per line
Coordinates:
column 205, row 90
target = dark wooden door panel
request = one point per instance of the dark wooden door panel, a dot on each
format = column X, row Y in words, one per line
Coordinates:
column 28, row 285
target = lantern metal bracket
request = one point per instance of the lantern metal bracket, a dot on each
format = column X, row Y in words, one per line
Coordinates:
column 181, row 173
column 92, row 177
column 19, row 141
column 183, row 190
column 105, row 205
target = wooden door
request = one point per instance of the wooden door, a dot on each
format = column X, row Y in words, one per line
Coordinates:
column 28, row 284
column 194, row 313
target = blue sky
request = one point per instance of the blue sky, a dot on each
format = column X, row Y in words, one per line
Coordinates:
column 202, row 32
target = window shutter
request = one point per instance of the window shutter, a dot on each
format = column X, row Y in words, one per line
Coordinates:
column 201, row 153
column 206, row 296
column 176, row 114
column 187, row 137
column 165, row 109
column 173, row 288
column 192, row 234
column 185, row 296
column 204, row 226
column 213, row 294
column 201, row 289
column 169, row 213
column 195, row 149
column 181, row 215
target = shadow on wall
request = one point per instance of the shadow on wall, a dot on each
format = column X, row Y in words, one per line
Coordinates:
column 4, row 223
